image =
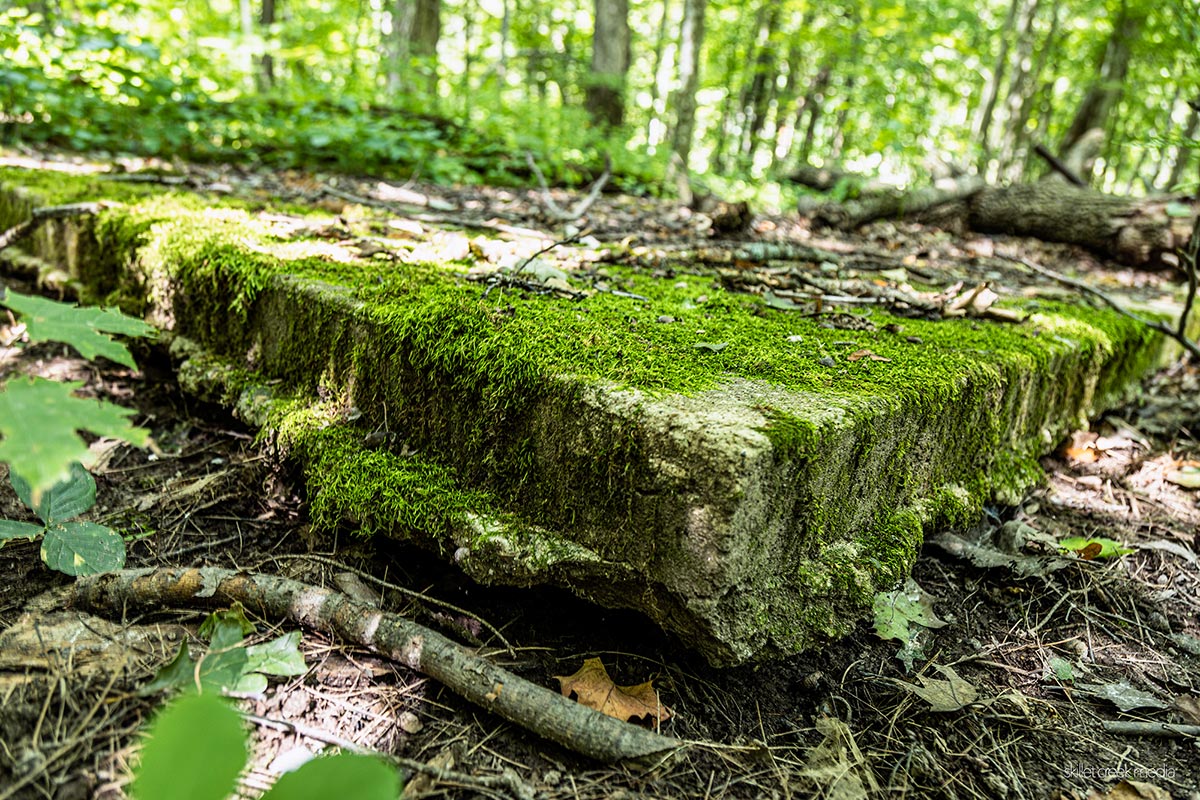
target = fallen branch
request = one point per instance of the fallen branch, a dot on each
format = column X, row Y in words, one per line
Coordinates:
column 39, row 215
column 533, row 707
column 1151, row 729
column 579, row 209
column 1177, row 335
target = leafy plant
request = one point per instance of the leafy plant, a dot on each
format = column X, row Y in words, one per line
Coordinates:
column 196, row 749
column 75, row 547
column 230, row 664
column 39, row 420
column 196, row 746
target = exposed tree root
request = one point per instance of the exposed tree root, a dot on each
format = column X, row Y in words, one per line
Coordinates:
column 533, row 707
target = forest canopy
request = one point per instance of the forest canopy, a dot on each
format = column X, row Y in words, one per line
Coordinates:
column 456, row 90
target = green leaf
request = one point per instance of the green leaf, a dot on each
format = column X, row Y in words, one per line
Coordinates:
column 280, row 656
column 82, row 548
column 1178, row 210
column 38, row 419
column 62, row 501
column 11, row 529
column 1108, row 547
column 179, row 673
column 226, row 627
column 346, row 775
column 712, row 347
column 195, row 751
column 85, row 329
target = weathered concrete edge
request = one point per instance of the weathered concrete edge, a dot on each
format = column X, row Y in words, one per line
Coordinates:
column 818, row 558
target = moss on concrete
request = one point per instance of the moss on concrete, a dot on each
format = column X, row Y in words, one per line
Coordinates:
column 692, row 452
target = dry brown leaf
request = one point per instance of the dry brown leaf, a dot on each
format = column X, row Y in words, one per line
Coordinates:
column 860, row 354
column 593, row 688
column 1132, row 790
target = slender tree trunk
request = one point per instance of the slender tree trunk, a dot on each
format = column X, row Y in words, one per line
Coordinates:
column 1019, row 85
column 416, row 28
column 786, row 97
column 1183, row 153
column 991, row 91
column 1016, row 137
column 266, row 63
column 605, row 92
column 691, row 40
column 653, row 124
column 814, row 104
column 1101, row 98
column 757, row 98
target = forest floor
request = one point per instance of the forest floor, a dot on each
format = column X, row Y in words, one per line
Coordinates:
column 1016, row 695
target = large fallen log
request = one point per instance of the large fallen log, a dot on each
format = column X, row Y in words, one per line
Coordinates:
column 1136, row 232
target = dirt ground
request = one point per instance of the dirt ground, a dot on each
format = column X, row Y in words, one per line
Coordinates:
column 1048, row 652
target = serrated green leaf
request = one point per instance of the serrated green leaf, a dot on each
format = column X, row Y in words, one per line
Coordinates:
column 82, row 548
column 62, row 501
column 38, row 420
column 85, row 329
column 195, row 751
column 346, row 775
column 896, row 611
column 280, row 656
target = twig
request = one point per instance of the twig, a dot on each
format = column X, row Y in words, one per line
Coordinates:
column 19, row 231
column 408, row 593
column 1187, row 343
column 1167, row 729
column 476, row 679
column 1058, row 166
column 580, row 208
column 1190, row 258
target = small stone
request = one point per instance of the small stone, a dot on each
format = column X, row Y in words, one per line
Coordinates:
column 827, row 362
column 665, row 319
column 410, row 722
column 914, row 339
column 795, row 338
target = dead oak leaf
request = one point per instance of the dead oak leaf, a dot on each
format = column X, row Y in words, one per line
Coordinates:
column 861, row 354
column 593, row 688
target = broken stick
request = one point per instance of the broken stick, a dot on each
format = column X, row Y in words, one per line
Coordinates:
column 476, row 679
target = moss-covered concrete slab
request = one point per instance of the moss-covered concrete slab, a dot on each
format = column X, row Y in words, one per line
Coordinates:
column 731, row 470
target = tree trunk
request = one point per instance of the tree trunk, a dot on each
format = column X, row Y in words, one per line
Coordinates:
column 757, row 97
column 266, row 63
column 691, row 39
column 1183, row 153
column 653, row 125
column 1019, row 85
column 417, row 26
column 1133, row 232
column 991, row 90
column 605, row 93
column 1102, row 96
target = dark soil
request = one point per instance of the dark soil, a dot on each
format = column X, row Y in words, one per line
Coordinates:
column 1038, row 650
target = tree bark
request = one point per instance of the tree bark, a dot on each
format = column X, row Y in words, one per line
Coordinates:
column 605, row 92
column 1133, row 232
column 691, row 40
column 417, row 29
column 1102, row 96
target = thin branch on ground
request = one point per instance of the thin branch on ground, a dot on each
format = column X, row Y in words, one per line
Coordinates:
column 535, row 708
column 1065, row 280
column 39, row 215
column 579, row 209
column 418, row 596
